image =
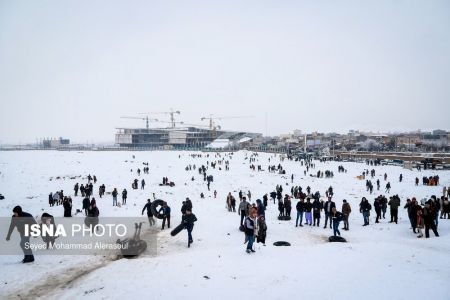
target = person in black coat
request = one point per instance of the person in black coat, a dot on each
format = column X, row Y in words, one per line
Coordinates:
column 124, row 196
column 317, row 207
column 429, row 215
column 188, row 220
column 287, row 205
column 189, row 204
column 86, row 204
column 260, row 208
column 265, row 200
column 377, row 206
column 148, row 207
column 273, row 195
column 20, row 220
column 262, row 230
column 300, row 209
column 327, row 207
column 280, row 208
column 92, row 218
column 51, row 202
column 75, row 189
column 67, row 204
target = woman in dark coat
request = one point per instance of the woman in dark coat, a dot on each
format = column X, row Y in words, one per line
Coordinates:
column 262, row 230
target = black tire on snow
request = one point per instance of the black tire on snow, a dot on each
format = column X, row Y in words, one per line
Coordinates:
column 155, row 210
column 281, row 243
column 336, row 239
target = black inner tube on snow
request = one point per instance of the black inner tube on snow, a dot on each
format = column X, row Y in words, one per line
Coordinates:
column 156, row 207
column 336, row 239
column 281, row 243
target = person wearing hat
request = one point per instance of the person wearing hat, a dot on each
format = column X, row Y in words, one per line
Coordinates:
column 20, row 220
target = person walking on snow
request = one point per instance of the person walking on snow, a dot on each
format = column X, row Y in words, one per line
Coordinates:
column 250, row 227
column 147, row 207
column 188, row 220
column 20, row 220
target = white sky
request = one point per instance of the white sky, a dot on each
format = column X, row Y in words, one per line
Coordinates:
column 72, row 68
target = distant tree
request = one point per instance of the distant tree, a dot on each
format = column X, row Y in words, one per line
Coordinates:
column 370, row 145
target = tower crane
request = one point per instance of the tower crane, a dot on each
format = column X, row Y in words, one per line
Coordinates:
column 212, row 123
column 213, row 126
column 146, row 119
column 172, row 114
column 172, row 123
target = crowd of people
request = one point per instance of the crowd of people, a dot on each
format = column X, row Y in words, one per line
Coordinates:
column 310, row 206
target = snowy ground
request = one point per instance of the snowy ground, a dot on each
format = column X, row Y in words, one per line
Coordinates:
column 381, row 261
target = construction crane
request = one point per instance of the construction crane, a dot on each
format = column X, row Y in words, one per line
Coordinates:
column 172, row 114
column 214, row 127
column 172, row 123
column 146, row 119
column 211, row 118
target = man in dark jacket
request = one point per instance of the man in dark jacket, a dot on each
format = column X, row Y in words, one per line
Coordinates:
column 124, row 196
column 394, row 203
column 287, row 205
column 20, row 220
column 75, row 189
column 166, row 215
column 86, row 204
column 188, row 220
column 147, row 207
column 377, row 206
column 328, row 206
column 300, row 209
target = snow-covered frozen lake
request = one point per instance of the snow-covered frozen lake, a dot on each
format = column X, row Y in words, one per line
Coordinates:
column 380, row 261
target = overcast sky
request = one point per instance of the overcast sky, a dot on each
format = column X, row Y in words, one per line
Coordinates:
column 72, row 68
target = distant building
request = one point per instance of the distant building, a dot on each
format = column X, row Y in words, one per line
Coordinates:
column 180, row 137
column 54, row 143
